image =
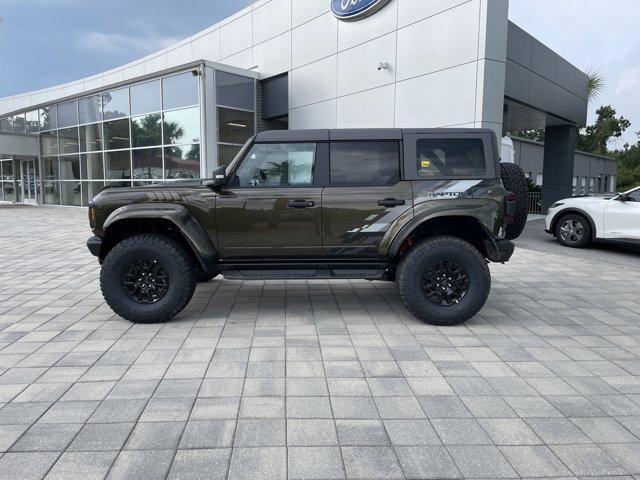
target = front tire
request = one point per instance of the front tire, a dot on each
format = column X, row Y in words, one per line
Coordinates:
column 444, row 280
column 573, row 230
column 147, row 278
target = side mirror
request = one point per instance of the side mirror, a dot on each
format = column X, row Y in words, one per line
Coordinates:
column 622, row 197
column 219, row 179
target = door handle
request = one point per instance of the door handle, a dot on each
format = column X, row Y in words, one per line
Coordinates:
column 301, row 204
column 391, row 202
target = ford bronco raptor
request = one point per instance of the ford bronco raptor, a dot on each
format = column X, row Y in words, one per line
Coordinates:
column 424, row 208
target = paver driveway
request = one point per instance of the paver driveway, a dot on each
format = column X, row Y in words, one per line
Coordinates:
column 312, row 379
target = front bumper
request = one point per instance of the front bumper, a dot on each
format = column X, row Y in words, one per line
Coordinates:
column 94, row 244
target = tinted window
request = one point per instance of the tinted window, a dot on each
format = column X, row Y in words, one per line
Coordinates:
column 277, row 165
column 179, row 91
column 234, row 90
column 5, row 125
column 450, row 157
column 116, row 134
column 635, row 196
column 145, row 98
column 67, row 114
column 70, row 167
column 32, row 121
column 91, row 166
column 49, row 142
column 146, row 130
column 91, row 137
column 236, row 126
column 182, row 162
column 115, row 104
column 118, row 165
column 147, row 163
column 89, row 109
column 48, row 118
column 68, row 139
column 182, row 126
column 19, row 124
column 365, row 163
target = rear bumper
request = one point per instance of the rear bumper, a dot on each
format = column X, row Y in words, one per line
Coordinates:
column 94, row 244
column 500, row 251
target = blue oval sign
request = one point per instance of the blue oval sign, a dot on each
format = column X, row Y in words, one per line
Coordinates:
column 356, row 9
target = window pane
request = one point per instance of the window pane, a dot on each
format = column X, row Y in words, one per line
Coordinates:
column 52, row 193
column 116, row 134
column 182, row 162
column 91, row 166
column 277, row 165
column 8, row 191
column 146, row 130
column 70, row 193
column 115, row 104
column 182, row 126
column 7, row 171
column 118, row 165
column 89, row 109
column 90, row 190
column 48, row 118
column 146, row 98
column 32, row 121
column 179, row 91
column 68, row 114
column 70, row 167
column 19, row 125
column 49, row 143
column 365, row 163
column 234, row 126
column 450, row 157
column 226, row 154
column 50, row 168
column 6, row 125
column 91, row 137
column 147, row 163
column 68, row 139
column 235, row 91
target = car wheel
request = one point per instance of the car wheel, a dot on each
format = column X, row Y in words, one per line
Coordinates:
column 443, row 280
column 147, row 278
column 515, row 182
column 573, row 231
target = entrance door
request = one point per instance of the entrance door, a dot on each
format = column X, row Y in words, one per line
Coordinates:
column 28, row 182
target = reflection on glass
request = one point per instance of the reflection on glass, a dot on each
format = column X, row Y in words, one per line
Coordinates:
column 5, row 125
column 115, row 104
column 234, row 126
column 234, row 90
column 50, row 169
column 70, row 193
column 7, row 170
column 91, row 138
column 118, row 165
column 146, row 130
column 68, row 139
column 226, row 153
column 49, row 143
column 182, row 162
column 70, row 167
column 90, row 190
column 52, row 193
column 91, row 166
column 147, row 164
column 179, row 90
column 145, row 98
column 19, row 125
column 89, row 109
column 48, row 118
column 116, row 134
column 68, row 114
column 277, row 165
column 32, row 121
column 181, row 126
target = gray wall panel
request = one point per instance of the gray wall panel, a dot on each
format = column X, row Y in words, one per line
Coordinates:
column 519, row 45
column 517, row 81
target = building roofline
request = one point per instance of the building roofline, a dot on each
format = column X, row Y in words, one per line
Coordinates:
column 582, row 152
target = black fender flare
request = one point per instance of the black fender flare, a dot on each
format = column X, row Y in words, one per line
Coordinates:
column 195, row 235
column 568, row 211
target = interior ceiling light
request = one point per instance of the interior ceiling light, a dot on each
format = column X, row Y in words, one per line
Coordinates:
column 239, row 125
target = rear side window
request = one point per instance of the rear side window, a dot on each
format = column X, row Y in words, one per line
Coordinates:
column 365, row 163
column 455, row 157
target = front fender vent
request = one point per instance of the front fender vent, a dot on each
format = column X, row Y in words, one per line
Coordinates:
column 166, row 197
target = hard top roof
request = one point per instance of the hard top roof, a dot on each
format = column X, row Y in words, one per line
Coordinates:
column 358, row 134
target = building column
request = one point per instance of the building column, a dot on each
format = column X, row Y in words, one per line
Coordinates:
column 559, row 153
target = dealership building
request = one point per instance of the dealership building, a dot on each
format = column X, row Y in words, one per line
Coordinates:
column 278, row 64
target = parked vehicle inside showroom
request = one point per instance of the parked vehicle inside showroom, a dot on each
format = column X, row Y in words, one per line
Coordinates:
column 426, row 208
column 577, row 221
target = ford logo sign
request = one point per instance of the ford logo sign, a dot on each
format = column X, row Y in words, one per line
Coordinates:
column 350, row 10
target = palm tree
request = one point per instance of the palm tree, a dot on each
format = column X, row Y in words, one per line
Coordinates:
column 595, row 85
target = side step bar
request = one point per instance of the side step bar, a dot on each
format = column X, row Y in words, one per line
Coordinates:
column 304, row 271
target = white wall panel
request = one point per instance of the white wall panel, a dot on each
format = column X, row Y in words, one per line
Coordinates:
column 207, row 47
column 318, row 115
column 236, row 36
column 370, row 109
column 273, row 56
column 156, row 63
column 114, row 77
column 271, row 20
column 133, row 71
column 439, row 42
column 411, row 11
column 178, row 56
column 355, row 33
column 305, row 10
column 358, row 66
column 313, row 83
column 314, row 40
column 242, row 59
column 439, row 99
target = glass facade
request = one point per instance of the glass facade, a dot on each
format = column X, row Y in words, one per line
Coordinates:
column 133, row 135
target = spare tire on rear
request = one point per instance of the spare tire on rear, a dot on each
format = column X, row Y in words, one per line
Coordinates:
column 514, row 181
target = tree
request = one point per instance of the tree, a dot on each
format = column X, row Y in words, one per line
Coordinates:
column 535, row 135
column 595, row 85
column 595, row 138
column 628, row 166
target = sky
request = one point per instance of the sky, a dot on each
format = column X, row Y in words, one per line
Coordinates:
column 48, row 42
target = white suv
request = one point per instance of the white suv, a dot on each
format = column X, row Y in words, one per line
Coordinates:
column 577, row 221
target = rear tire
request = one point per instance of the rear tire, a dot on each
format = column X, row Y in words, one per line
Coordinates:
column 514, row 181
column 147, row 278
column 443, row 280
column 573, row 230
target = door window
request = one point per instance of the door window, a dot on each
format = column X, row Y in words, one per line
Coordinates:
column 635, row 196
column 365, row 163
column 455, row 157
column 277, row 165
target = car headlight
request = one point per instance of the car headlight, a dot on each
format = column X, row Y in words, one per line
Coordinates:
column 556, row 205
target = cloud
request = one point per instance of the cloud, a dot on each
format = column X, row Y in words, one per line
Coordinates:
column 119, row 42
column 629, row 81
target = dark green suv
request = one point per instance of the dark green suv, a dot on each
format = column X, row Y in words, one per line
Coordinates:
column 423, row 208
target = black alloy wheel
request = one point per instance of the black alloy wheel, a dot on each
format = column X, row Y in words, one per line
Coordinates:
column 445, row 283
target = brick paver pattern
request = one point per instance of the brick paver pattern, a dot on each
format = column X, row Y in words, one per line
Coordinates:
column 312, row 379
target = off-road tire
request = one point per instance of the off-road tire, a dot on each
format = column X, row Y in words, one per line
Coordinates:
column 176, row 263
column 586, row 234
column 514, row 181
column 203, row 277
column 411, row 271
